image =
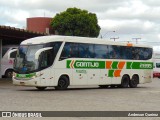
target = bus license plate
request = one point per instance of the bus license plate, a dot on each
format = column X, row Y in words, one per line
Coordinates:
column 22, row 83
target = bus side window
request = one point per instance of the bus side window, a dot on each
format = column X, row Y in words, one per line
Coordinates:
column 91, row 51
column 113, row 52
column 83, row 51
column 128, row 52
column 147, row 53
column 70, row 50
column 66, row 51
column 100, row 51
column 56, row 46
column 74, row 50
column 13, row 54
column 46, row 58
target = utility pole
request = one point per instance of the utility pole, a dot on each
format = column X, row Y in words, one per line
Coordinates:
column 114, row 38
column 137, row 39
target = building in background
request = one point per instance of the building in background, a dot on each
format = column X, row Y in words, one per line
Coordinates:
column 40, row 24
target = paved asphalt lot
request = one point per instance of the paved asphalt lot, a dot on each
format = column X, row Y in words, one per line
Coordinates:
column 89, row 98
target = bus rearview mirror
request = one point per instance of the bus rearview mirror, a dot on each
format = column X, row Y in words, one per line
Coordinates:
column 40, row 51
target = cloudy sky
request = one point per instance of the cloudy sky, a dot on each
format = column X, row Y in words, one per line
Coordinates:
column 128, row 18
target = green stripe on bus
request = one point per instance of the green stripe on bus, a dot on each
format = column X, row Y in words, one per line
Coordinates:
column 110, row 73
column 25, row 75
column 139, row 65
column 68, row 63
column 114, row 65
column 86, row 64
column 128, row 66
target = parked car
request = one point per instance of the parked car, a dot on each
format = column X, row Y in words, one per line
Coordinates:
column 156, row 69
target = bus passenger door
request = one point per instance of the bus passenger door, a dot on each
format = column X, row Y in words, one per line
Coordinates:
column 47, row 74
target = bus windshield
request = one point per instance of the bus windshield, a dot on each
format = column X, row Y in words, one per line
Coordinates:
column 25, row 61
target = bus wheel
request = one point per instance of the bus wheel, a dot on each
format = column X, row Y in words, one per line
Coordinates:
column 112, row 86
column 9, row 73
column 41, row 88
column 134, row 81
column 63, row 83
column 125, row 81
column 103, row 86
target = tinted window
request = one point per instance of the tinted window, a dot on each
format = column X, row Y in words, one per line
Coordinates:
column 101, row 51
column 91, row 52
column 147, row 53
column 157, row 65
column 74, row 50
column 83, row 50
column 69, row 50
column 47, row 57
column 66, row 51
column 111, row 52
column 139, row 53
column 13, row 54
column 55, row 49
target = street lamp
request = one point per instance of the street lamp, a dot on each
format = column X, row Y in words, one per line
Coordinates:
column 106, row 34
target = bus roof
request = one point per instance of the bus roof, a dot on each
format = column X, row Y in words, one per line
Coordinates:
column 47, row 39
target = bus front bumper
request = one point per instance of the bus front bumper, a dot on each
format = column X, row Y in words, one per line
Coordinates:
column 25, row 82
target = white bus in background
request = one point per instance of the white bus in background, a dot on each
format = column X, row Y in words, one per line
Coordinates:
column 8, row 55
column 62, row 61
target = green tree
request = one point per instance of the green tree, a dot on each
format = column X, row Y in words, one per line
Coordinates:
column 76, row 22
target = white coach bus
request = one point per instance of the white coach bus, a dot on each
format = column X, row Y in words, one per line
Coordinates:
column 62, row 61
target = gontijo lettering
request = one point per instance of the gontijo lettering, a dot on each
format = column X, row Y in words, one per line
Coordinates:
column 87, row 64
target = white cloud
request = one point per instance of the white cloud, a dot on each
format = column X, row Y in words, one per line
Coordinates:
column 129, row 18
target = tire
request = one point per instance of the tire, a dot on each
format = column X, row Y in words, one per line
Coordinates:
column 115, row 86
column 125, row 81
column 134, row 81
column 63, row 83
column 9, row 73
column 103, row 86
column 112, row 86
column 41, row 88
